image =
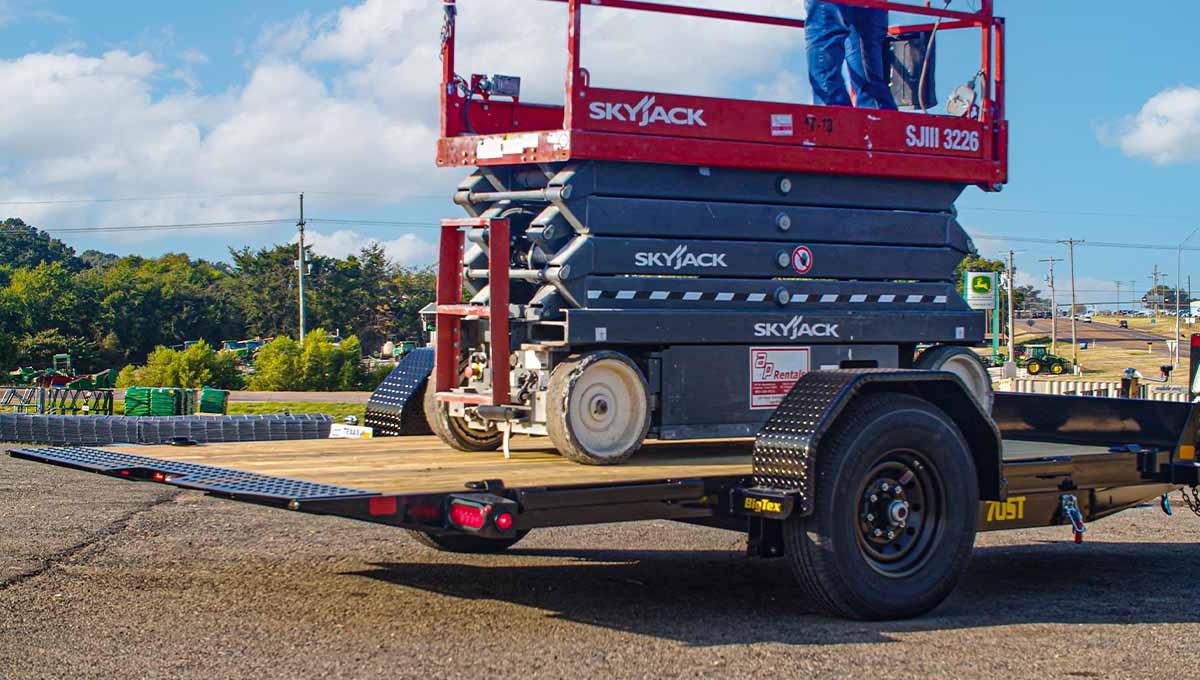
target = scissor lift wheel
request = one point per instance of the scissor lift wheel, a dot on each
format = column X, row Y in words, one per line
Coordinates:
column 598, row 409
column 454, row 431
column 967, row 365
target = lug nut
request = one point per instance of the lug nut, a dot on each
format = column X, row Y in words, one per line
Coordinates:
column 884, row 486
column 891, row 535
column 874, row 498
column 878, row 532
column 870, row 517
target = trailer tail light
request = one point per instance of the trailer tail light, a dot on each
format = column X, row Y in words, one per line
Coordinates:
column 159, row 476
column 466, row 515
column 504, row 521
column 382, row 506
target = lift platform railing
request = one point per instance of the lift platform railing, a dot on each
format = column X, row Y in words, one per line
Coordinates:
column 484, row 122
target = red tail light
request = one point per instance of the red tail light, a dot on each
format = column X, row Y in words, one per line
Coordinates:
column 381, row 506
column 468, row 515
column 504, row 521
column 159, row 477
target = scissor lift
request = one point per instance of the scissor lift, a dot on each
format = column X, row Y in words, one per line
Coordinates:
column 649, row 264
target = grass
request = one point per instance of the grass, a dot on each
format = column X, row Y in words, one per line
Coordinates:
column 243, row 408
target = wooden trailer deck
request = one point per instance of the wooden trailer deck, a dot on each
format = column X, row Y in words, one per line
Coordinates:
column 410, row 465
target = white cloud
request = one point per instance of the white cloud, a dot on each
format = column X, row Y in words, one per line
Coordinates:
column 341, row 103
column 407, row 250
column 1166, row 130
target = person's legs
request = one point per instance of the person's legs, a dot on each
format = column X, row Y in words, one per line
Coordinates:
column 864, row 57
column 825, row 37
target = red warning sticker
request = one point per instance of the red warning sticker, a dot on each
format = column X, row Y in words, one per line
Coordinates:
column 802, row 260
column 773, row 372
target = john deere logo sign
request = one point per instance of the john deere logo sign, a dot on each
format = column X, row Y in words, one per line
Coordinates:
column 981, row 290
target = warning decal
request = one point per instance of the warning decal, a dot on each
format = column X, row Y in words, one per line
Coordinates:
column 773, row 372
column 802, row 260
column 782, row 125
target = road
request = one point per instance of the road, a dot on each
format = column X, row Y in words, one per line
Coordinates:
column 1097, row 331
column 104, row 579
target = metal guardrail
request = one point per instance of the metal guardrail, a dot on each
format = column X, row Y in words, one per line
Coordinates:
column 1090, row 388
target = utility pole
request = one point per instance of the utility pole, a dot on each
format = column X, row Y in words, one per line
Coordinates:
column 1053, row 307
column 1012, row 276
column 1118, row 309
column 1154, row 292
column 301, row 266
column 1071, row 243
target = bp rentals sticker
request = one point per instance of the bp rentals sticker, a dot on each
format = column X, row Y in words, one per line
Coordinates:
column 773, row 372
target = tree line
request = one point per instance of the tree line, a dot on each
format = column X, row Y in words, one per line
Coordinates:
column 109, row 311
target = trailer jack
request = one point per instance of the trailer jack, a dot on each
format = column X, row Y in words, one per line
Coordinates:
column 1070, row 509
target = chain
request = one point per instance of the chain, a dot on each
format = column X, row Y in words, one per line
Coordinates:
column 1192, row 501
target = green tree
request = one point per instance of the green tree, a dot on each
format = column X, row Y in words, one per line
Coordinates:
column 197, row 366
column 24, row 246
column 277, row 367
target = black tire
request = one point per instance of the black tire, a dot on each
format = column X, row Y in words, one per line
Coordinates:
column 967, row 365
column 1034, row 367
column 453, row 431
column 617, row 404
column 835, row 553
column 463, row 543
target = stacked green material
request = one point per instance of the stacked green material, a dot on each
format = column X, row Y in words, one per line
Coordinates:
column 159, row 401
column 214, row 401
column 137, row 401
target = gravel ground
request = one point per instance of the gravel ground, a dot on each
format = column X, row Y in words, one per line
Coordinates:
column 105, row 579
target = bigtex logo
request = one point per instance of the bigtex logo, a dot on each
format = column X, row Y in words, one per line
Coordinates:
column 645, row 112
column 762, row 505
column 679, row 258
column 796, row 329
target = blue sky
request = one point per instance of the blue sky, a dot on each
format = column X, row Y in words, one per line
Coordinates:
column 213, row 99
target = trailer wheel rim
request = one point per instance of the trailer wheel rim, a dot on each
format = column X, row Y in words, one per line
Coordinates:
column 900, row 512
column 607, row 408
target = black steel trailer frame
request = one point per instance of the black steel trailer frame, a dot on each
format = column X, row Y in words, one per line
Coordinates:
column 1085, row 458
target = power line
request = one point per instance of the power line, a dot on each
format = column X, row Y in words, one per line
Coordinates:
column 150, row 227
column 183, row 197
column 130, row 199
column 1090, row 244
column 1080, row 213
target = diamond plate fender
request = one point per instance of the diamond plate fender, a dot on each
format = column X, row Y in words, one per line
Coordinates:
column 786, row 448
column 395, row 408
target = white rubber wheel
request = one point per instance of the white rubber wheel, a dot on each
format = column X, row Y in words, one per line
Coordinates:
column 965, row 364
column 598, row 409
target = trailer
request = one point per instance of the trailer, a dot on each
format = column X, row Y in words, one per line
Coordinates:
column 870, row 484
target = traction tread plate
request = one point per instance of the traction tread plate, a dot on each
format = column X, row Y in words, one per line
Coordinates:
column 191, row 475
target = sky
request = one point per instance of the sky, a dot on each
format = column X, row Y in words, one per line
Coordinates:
column 224, row 114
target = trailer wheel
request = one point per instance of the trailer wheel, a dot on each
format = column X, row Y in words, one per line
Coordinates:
column 461, row 543
column 454, row 431
column 895, row 509
column 965, row 364
column 598, row 408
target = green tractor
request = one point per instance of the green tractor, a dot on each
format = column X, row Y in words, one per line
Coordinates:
column 1037, row 359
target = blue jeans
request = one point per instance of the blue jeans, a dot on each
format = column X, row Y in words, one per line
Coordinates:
column 837, row 34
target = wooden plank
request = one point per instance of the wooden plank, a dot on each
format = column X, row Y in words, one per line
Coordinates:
column 423, row 464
